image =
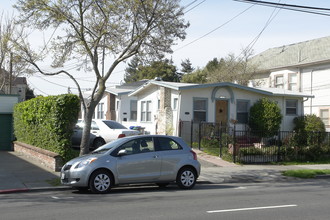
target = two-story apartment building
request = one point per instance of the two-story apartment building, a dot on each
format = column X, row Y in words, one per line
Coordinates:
column 302, row 67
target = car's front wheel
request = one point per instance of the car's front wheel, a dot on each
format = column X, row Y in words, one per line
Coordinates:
column 101, row 181
column 186, row 178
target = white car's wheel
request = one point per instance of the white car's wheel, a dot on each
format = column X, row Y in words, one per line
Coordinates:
column 186, row 178
column 100, row 181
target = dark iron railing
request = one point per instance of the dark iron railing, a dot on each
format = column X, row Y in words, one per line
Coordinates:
column 245, row 146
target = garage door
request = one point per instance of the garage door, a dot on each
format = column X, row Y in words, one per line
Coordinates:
column 6, row 131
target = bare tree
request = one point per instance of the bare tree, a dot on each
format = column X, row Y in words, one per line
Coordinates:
column 11, row 62
column 95, row 32
column 231, row 69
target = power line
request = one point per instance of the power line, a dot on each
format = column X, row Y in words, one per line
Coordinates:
column 283, row 5
column 36, row 87
column 210, row 32
column 194, row 6
column 250, row 46
column 298, row 8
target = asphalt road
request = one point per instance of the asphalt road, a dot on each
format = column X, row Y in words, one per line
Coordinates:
column 294, row 200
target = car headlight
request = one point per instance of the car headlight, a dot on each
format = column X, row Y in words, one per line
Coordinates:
column 85, row 162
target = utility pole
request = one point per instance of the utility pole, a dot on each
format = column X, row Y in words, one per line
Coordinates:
column 10, row 72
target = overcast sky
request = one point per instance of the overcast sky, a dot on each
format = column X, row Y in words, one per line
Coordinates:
column 217, row 28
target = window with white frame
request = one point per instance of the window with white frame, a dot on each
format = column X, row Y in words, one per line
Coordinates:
column 175, row 103
column 324, row 115
column 291, row 107
column 100, row 111
column 145, row 110
column 279, row 82
column 200, row 109
column 133, row 107
column 293, row 85
column 242, row 111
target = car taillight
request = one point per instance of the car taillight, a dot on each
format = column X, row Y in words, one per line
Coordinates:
column 121, row 135
column 194, row 154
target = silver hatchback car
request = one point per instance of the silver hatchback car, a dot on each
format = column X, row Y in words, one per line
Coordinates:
column 156, row 159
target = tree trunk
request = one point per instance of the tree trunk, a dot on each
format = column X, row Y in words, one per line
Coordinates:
column 88, row 117
column 84, row 145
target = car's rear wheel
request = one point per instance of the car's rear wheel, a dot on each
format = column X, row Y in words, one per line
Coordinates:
column 101, row 181
column 186, row 178
column 98, row 142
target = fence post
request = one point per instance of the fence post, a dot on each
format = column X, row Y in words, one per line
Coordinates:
column 279, row 146
column 220, row 139
column 199, row 135
column 234, row 144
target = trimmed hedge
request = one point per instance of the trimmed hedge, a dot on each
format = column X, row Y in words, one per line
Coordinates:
column 48, row 122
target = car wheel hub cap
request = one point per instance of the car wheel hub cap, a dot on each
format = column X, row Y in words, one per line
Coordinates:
column 102, row 182
column 187, row 178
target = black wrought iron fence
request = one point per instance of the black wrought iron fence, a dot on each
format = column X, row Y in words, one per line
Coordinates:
column 246, row 146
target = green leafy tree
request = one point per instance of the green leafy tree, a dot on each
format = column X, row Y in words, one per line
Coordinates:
column 164, row 70
column 212, row 65
column 29, row 93
column 265, row 118
column 98, row 32
column 186, row 67
column 132, row 69
column 198, row 76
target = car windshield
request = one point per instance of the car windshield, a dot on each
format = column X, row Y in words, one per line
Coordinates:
column 114, row 125
column 107, row 147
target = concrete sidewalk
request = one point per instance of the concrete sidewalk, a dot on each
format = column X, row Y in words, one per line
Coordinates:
column 226, row 172
column 19, row 173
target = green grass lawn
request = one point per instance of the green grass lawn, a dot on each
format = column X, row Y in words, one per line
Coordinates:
column 305, row 173
column 54, row 182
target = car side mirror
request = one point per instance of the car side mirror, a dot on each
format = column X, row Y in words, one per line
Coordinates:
column 122, row 153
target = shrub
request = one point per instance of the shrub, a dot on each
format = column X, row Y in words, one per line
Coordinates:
column 309, row 130
column 47, row 122
column 265, row 118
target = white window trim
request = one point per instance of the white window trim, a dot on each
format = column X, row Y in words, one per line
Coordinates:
column 146, row 111
column 322, row 109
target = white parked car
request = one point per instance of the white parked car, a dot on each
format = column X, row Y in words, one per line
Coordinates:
column 102, row 131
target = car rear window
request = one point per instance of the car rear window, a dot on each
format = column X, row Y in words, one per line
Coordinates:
column 167, row 144
column 114, row 125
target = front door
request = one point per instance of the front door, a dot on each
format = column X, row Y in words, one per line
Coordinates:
column 221, row 111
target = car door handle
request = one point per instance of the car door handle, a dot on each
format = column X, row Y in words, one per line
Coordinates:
column 156, row 156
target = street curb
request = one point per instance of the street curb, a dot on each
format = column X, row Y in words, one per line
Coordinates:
column 35, row 189
column 8, row 191
column 325, row 176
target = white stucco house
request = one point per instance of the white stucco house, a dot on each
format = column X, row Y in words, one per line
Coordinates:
column 161, row 105
column 117, row 105
column 300, row 67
